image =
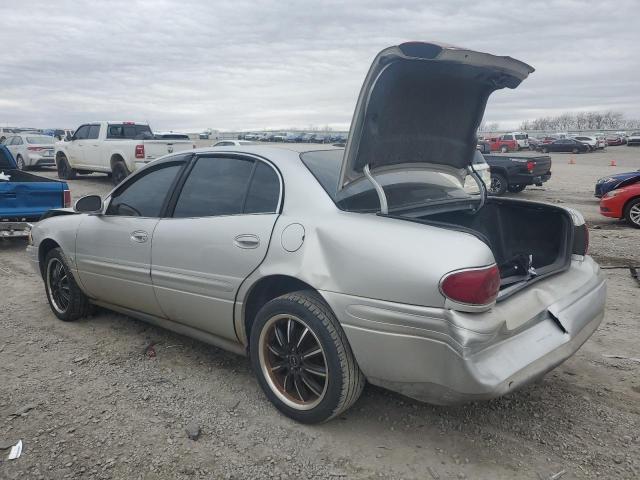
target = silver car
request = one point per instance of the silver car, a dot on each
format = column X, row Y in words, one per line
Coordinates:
column 330, row 267
column 31, row 150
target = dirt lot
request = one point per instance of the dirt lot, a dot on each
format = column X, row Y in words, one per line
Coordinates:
column 88, row 402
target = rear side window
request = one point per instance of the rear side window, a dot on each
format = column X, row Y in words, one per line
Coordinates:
column 215, row 186
column 129, row 131
column 264, row 191
column 144, row 195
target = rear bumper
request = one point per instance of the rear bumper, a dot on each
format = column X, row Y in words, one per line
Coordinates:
column 441, row 357
column 525, row 179
column 14, row 229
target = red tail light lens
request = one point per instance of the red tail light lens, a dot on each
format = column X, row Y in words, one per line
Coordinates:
column 474, row 286
column 35, row 149
column 531, row 165
column 66, row 198
column 139, row 151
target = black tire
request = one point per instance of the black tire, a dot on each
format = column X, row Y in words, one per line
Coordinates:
column 498, row 185
column 65, row 172
column 545, row 150
column 632, row 212
column 20, row 163
column 119, row 172
column 504, row 149
column 73, row 304
column 575, row 150
column 327, row 395
column 516, row 188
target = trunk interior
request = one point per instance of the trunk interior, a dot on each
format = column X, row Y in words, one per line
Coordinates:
column 527, row 240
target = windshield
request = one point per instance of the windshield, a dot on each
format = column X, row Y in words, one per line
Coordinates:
column 404, row 189
column 40, row 140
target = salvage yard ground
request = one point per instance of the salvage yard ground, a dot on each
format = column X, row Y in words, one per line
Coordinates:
column 91, row 399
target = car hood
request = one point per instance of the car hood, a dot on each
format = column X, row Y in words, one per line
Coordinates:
column 420, row 107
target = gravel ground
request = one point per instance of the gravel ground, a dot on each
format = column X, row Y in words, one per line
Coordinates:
column 90, row 400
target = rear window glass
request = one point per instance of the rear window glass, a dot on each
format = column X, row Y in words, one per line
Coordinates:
column 43, row 140
column 403, row 189
column 129, row 131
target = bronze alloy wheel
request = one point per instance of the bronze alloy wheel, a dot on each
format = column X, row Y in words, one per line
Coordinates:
column 293, row 362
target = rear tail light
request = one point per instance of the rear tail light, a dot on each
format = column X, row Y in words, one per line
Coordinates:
column 66, row 199
column 472, row 286
column 531, row 165
column 581, row 239
column 139, row 151
column 36, row 149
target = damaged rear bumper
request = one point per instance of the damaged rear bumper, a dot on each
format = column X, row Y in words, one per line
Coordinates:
column 445, row 357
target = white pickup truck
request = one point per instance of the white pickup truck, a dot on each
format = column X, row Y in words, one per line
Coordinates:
column 115, row 148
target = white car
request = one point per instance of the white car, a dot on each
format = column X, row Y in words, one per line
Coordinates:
column 633, row 139
column 116, row 148
column 588, row 140
column 233, row 143
column 31, row 150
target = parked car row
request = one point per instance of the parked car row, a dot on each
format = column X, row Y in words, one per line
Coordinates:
column 294, row 137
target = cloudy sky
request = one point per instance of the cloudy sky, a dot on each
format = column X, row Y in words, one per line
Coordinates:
column 193, row 64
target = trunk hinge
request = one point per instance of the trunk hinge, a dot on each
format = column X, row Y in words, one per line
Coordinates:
column 481, row 186
column 384, row 208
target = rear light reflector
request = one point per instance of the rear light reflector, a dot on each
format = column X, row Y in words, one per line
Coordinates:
column 66, row 199
column 473, row 286
column 531, row 165
column 139, row 151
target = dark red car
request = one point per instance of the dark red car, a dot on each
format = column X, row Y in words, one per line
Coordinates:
column 614, row 141
column 623, row 203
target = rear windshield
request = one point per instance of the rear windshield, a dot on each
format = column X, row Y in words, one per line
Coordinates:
column 129, row 131
column 172, row 136
column 41, row 140
column 403, row 190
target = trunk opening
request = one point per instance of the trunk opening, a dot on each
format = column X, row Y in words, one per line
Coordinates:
column 529, row 241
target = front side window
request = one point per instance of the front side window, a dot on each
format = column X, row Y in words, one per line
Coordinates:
column 81, row 133
column 145, row 194
column 215, row 186
column 94, row 131
column 507, row 137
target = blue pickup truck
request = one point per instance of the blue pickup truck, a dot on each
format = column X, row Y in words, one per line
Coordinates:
column 25, row 197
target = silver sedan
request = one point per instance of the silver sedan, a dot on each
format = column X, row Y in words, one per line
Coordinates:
column 330, row 267
column 31, row 150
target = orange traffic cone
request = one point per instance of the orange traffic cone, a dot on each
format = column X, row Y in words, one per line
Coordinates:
column 613, row 163
column 572, row 160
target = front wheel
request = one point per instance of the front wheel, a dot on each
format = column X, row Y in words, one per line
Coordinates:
column 65, row 172
column 632, row 213
column 517, row 188
column 65, row 298
column 302, row 358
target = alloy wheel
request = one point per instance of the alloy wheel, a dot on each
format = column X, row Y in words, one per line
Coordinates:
column 58, row 285
column 634, row 213
column 293, row 362
column 496, row 185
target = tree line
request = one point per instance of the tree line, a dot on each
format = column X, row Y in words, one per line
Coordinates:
column 593, row 120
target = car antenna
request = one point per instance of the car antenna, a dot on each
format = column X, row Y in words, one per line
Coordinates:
column 384, row 208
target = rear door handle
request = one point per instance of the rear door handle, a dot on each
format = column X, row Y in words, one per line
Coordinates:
column 139, row 236
column 246, row 241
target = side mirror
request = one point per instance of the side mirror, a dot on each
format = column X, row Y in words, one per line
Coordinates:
column 68, row 137
column 89, row 204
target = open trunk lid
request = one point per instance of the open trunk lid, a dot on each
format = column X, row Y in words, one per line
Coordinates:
column 420, row 107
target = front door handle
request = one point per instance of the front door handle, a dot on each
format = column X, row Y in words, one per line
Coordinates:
column 139, row 236
column 246, row 241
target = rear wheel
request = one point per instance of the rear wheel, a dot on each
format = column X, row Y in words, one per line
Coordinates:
column 632, row 212
column 20, row 163
column 498, row 185
column 65, row 172
column 302, row 358
column 517, row 188
column 119, row 173
column 66, row 300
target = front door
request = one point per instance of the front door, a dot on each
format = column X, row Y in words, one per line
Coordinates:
column 75, row 147
column 217, row 234
column 113, row 250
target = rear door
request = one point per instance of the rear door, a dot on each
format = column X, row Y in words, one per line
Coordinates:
column 219, row 232
column 113, row 250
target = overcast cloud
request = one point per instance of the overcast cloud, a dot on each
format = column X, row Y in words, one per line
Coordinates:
column 193, row 64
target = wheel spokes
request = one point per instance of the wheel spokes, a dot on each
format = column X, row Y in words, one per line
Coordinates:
column 311, row 384
column 315, row 370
